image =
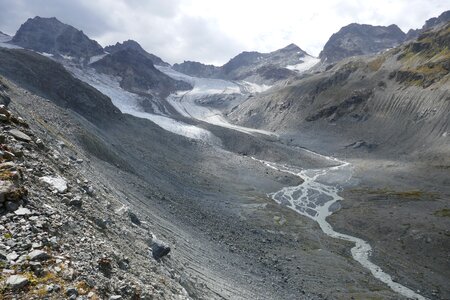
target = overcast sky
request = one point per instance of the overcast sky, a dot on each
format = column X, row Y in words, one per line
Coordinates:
column 213, row 31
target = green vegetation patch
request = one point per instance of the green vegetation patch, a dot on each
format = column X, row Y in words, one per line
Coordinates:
column 445, row 212
column 402, row 195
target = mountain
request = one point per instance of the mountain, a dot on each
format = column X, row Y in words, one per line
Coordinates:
column 51, row 36
column 441, row 19
column 359, row 95
column 261, row 68
column 3, row 35
column 137, row 73
column 356, row 39
column 130, row 44
column 197, row 69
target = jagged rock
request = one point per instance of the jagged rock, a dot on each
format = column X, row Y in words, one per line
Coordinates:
column 11, row 206
column 105, row 266
column 3, row 118
column 12, row 256
column 134, row 218
column 38, row 255
column 5, row 188
column 23, row 211
column 57, row 183
column 77, row 202
column 16, row 282
column 115, row 297
column 70, row 291
column 159, row 249
column 20, row 135
column 3, row 255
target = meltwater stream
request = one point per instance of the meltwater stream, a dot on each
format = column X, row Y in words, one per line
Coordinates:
column 317, row 199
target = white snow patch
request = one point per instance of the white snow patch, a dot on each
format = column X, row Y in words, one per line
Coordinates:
column 46, row 54
column 4, row 39
column 67, row 57
column 308, row 63
column 57, row 183
column 95, row 58
column 254, row 88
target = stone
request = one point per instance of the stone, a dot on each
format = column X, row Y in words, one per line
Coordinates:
column 70, row 291
column 115, row 297
column 23, row 211
column 3, row 255
column 3, row 118
column 134, row 219
column 159, row 249
column 38, row 255
column 57, row 183
column 11, row 206
column 77, row 202
column 19, row 135
column 12, row 256
column 5, row 188
column 16, row 282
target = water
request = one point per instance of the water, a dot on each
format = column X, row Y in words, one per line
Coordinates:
column 316, row 197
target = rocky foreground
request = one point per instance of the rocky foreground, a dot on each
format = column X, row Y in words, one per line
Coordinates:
column 60, row 239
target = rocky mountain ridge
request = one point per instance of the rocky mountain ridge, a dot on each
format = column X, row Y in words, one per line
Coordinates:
column 261, row 68
column 357, row 39
column 138, row 74
column 130, row 44
column 49, row 35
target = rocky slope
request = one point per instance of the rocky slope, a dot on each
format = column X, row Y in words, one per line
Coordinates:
column 256, row 67
column 60, row 235
column 51, row 36
column 130, row 44
column 359, row 39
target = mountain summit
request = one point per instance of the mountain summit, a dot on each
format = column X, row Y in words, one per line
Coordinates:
column 359, row 39
column 51, row 36
column 130, row 44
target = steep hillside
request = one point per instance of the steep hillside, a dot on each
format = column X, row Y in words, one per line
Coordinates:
column 49, row 35
column 48, row 78
column 404, row 92
column 130, row 44
column 357, row 39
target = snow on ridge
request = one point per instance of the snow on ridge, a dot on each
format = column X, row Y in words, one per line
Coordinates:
column 308, row 63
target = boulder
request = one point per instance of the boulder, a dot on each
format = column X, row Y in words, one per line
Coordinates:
column 57, row 183
column 19, row 135
column 16, row 282
column 159, row 249
column 38, row 255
